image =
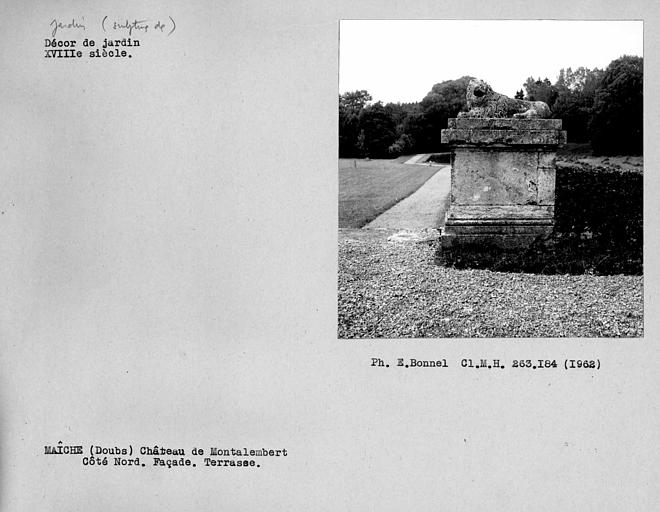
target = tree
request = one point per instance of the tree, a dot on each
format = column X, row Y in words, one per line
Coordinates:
column 377, row 129
column 541, row 90
column 404, row 144
column 444, row 101
column 414, row 126
column 520, row 95
column 351, row 105
column 581, row 80
column 617, row 121
column 397, row 111
column 354, row 101
column 576, row 92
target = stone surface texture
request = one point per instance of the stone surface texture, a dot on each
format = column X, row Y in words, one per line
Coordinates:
column 471, row 123
column 504, row 137
column 502, row 182
column 487, row 177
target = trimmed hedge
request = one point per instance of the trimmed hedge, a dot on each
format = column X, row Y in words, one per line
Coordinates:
column 602, row 203
column 598, row 228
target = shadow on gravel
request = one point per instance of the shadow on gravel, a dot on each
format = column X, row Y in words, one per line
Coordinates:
column 598, row 229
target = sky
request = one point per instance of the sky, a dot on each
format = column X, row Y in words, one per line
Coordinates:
column 400, row 60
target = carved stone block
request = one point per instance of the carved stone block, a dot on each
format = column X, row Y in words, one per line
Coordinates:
column 502, row 182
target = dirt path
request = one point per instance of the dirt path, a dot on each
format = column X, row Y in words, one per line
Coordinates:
column 424, row 208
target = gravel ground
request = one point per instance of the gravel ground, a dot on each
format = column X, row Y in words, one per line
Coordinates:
column 394, row 290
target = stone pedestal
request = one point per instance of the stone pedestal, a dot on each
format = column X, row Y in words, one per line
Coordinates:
column 502, row 183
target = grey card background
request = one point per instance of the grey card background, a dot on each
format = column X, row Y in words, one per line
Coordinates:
column 168, row 241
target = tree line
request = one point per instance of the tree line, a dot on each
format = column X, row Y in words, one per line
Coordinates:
column 601, row 107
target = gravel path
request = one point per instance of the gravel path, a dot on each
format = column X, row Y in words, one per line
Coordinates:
column 424, row 208
column 394, row 290
column 416, row 158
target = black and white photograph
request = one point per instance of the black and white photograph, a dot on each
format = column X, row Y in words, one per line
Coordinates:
column 490, row 179
column 304, row 256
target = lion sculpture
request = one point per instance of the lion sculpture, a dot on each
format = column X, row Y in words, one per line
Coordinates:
column 482, row 101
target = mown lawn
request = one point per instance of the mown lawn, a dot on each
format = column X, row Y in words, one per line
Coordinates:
column 394, row 290
column 369, row 187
